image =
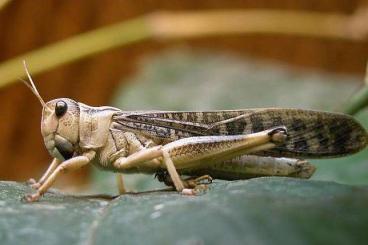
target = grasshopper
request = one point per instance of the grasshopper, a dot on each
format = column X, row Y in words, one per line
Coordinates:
column 231, row 144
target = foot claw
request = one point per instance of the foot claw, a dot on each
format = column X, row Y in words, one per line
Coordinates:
column 199, row 189
column 31, row 182
column 203, row 180
column 31, row 197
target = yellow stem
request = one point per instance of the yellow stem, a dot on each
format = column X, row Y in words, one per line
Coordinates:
column 172, row 25
column 224, row 22
column 74, row 48
column 3, row 3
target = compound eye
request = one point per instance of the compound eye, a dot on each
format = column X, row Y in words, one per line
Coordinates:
column 60, row 108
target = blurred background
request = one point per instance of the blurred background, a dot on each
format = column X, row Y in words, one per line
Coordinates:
column 177, row 55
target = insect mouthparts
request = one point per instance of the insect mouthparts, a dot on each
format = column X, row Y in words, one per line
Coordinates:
column 64, row 147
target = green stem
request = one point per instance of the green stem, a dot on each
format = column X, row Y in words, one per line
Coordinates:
column 358, row 101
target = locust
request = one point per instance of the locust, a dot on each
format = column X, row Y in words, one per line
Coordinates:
column 201, row 145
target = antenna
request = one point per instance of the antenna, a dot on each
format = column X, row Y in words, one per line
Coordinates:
column 30, row 84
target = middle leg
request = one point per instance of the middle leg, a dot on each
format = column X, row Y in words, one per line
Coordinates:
column 120, row 183
column 189, row 182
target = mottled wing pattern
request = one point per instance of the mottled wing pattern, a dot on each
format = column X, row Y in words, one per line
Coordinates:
column 310, row 133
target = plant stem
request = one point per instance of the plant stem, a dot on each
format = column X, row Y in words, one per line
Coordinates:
column 225, row 22
column 75, row 48
column 358, row 101
column 173, row 25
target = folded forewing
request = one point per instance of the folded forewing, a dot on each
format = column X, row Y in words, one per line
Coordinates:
column 310, row 133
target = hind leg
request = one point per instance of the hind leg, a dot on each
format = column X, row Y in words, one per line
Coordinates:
column 188, row 152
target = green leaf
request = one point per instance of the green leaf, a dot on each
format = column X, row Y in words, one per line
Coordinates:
column 56, row 219
column 257, row 211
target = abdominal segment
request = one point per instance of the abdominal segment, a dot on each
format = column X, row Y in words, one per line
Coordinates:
column 251, row 166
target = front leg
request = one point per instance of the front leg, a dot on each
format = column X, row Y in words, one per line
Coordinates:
column 189, row 152
column 55, row 162
column 68, row 165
